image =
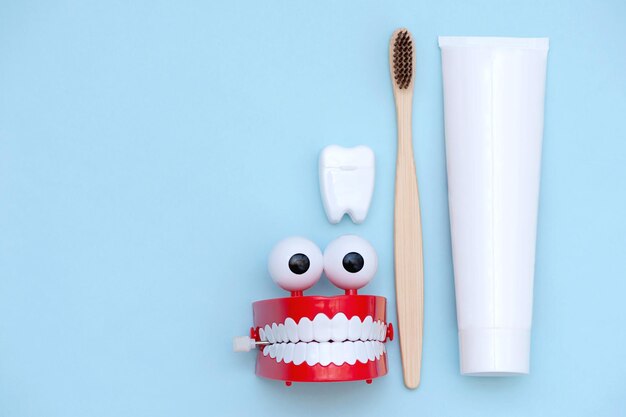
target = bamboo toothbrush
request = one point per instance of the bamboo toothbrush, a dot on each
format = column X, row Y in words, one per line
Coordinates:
column 409, row 262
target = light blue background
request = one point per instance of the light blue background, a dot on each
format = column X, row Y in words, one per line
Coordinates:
column 152, row 153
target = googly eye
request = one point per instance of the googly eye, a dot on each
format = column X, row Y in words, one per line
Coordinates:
column 350, row 262
column 296, row 264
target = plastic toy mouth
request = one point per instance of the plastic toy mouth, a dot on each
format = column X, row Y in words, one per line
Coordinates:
column 325, row 340
column 321, row 339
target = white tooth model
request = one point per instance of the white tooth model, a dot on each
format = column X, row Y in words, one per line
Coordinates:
column 346, row 181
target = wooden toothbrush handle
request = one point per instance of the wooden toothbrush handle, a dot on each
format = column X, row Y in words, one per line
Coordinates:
column 409, row 262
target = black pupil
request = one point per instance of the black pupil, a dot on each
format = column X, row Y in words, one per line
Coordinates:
column 299, row 263
column 353, row 262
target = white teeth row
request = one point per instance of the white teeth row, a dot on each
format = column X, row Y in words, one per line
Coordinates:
column 324, row 329
column 325, row 353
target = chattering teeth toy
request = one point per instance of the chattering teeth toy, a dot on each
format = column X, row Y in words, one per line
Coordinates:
column 316, row 338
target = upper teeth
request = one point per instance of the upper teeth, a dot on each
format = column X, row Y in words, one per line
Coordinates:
column 346, row 181
column 324, row 329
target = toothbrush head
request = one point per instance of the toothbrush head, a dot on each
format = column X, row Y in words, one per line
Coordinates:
column 402, row 59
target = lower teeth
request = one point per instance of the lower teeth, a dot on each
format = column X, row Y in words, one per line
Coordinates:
column 325, row 353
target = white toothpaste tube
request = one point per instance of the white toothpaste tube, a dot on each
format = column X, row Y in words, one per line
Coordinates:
column 493, row 106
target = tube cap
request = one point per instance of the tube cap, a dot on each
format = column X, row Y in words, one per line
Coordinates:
column 494, row 352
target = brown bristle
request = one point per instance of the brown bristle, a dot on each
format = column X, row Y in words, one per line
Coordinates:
column 403, row 59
